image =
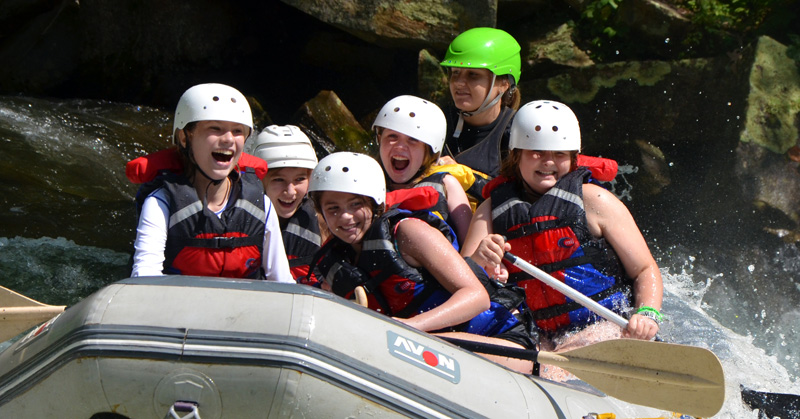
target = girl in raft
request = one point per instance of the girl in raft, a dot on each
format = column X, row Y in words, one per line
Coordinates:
column 410, row 132
column 291, row 158
column 404, row 259
column 543, row 209
column 484, row 68
column 209, row 219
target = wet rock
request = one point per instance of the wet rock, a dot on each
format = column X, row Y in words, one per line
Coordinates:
column 654, row 19
column 407, row 24
column 771, row 130
column 774, row 99
column 655, row 166
column 432, row 81
column 332, row 126
column 556, row 48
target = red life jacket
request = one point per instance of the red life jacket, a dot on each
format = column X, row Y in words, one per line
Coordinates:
column 436, row 181
column 552, row 233
column 203, row 244
column 146, row 168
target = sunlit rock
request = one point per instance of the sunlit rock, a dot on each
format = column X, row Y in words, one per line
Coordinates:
column 774, row 99
column 556, row 48
column 332, row 125
column 770, row 131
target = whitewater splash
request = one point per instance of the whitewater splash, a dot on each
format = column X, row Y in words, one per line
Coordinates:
column 743, row 362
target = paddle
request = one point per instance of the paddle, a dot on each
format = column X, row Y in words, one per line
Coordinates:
column 678, row 378
column 19, row 313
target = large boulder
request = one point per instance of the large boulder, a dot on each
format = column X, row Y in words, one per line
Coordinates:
column 402, row 23
column 765, row 165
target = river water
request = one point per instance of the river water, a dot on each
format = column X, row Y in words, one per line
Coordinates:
column 68, row 219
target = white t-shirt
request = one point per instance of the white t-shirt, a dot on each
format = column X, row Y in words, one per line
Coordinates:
column 151, row 240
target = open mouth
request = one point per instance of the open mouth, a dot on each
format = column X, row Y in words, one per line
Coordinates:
column 400, row 163
column 222, row 155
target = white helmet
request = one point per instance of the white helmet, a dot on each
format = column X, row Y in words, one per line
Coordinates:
column 283, row 146
column 545, row 125
column 415, row 117
column 349, row 172
column 212, row 102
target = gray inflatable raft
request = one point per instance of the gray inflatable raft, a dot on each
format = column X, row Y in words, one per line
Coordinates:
column 187, row 347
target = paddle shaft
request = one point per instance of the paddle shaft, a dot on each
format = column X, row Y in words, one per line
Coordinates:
column 567, row 290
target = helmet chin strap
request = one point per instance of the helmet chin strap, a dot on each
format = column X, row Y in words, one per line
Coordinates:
column 484, row 106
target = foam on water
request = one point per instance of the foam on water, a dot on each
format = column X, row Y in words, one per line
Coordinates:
column 743, row 362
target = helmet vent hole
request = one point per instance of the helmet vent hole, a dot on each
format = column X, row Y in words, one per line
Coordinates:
column 397, row 109
column 555, row 128
column 328, row 168
column 412, row 114
column 538, row 128
column 345, row 169
column 215, row 98
column 233, row 99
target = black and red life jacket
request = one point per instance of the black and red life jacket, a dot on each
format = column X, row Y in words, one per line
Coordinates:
column 552, row 233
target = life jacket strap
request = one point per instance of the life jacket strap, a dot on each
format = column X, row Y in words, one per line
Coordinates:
column 224, row 242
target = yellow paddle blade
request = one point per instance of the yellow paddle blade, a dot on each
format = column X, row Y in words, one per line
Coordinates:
column 678, row 378
column 19, row 313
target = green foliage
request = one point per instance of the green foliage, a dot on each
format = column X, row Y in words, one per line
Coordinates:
column 598, row 22
column 716, row 25
column 729, row 23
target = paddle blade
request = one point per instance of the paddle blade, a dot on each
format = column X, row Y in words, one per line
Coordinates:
column 678, row 378
column 19, row 313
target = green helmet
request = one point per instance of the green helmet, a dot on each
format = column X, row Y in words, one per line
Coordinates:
column 488, row 48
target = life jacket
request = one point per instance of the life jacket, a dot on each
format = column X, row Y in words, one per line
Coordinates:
column 552, row 233
column 470, row 180
column 603, row 169
column 398, row 289
column 436, row 181
column 393, row 287
column 301, row 238
column 201, row 243
column 145, row 168
column 489, row 149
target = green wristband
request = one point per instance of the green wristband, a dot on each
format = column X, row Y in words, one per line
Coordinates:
column 650, row 312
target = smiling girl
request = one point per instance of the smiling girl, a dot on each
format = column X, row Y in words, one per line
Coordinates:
column 484, row 67
column 408, row 266
column 410, row 133
column 210, row 219
column 291, row 157
column 543, row 209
